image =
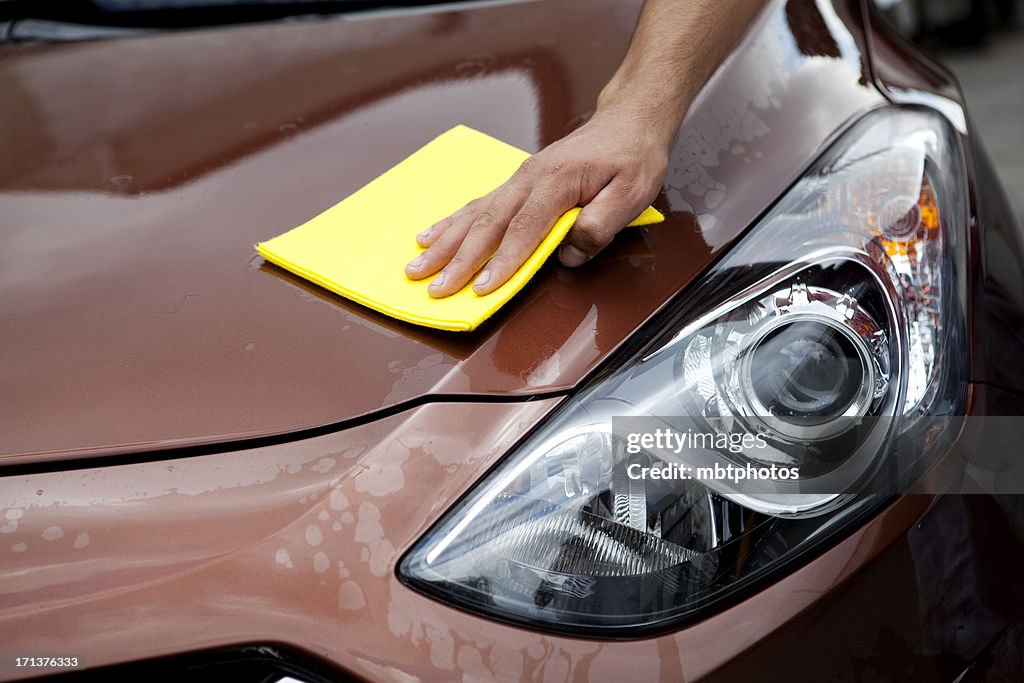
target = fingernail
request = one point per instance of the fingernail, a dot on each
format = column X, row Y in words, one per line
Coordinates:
column 572, row 257
column 424, row 234
column 416, row 263
column 438, row 281
column 484, row 278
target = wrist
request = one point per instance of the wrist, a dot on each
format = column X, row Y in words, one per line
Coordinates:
column 658, row 111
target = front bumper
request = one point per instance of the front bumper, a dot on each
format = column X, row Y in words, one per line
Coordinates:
column 297, row 544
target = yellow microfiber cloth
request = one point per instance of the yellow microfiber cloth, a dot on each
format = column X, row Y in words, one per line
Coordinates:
column 358, row 248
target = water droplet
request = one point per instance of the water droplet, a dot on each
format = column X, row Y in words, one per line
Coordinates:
column 323, row 465
column 283, row 559
column 338, row 501
column 350, row 596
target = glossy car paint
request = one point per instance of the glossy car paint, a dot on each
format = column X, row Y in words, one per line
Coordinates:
column 295, row 541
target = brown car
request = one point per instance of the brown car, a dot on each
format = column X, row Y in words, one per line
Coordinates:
column 212, row 470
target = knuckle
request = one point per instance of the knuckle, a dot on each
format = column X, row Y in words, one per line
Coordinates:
column 522, row 225
column 529, row 166
column 590, row 237
column 484, row 220
column 470, row 209
column 556, row 168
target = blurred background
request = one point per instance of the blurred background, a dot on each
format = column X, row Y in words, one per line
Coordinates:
column 982, row 41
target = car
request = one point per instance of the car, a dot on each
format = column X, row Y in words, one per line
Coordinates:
column 215, row 470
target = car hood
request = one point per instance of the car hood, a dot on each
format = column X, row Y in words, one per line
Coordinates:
column 140, row 172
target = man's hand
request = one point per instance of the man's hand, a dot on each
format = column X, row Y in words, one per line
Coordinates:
column 613, row 166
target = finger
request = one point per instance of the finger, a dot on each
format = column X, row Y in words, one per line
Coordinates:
column 444, row 247
column 614, row 207
column 480, row 242
column 526, row 230
column 427, row 237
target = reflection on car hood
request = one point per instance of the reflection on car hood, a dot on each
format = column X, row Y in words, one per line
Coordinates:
column 139, row 173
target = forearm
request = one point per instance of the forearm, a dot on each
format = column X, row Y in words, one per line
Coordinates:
column 676, row 47
column 612, row 166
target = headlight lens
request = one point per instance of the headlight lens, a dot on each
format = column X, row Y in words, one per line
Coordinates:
column 823, row 344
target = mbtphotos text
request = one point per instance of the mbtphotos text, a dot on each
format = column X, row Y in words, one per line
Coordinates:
column 731, row 473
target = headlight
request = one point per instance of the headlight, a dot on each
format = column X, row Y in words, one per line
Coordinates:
column 825, row 343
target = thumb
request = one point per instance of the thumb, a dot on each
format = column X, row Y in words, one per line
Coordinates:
column 612, row 209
